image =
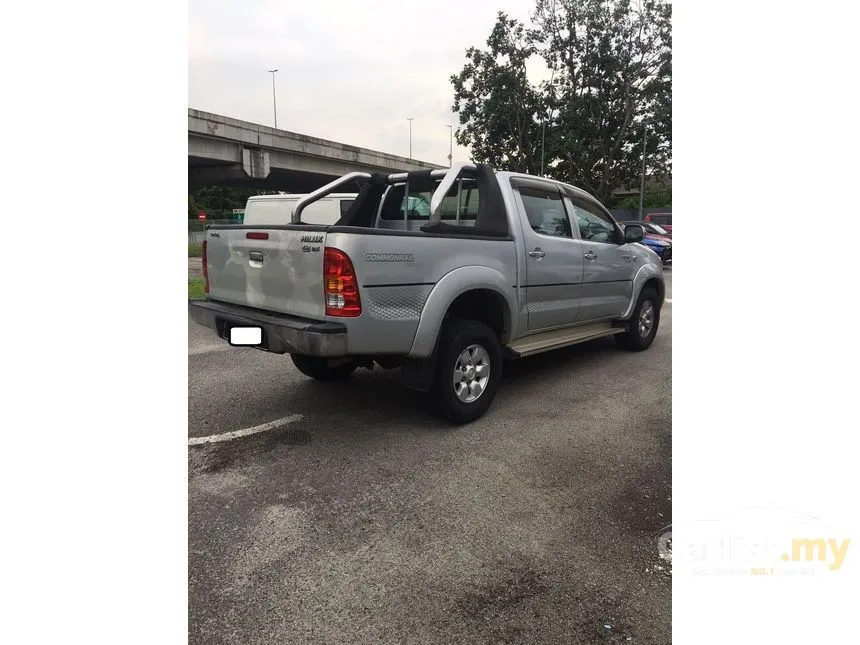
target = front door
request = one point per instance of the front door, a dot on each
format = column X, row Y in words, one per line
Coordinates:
column 553, row 256
column 607, row 279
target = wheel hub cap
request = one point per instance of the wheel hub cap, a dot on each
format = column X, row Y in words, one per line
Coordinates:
column 646, row 319
column 471, row 373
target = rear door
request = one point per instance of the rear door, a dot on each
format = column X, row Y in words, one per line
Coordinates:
column 553, row 259
column 276, row 268
column 608, row 268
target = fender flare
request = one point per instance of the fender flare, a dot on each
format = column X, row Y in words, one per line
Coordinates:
column 646, row 272
column 448, row 289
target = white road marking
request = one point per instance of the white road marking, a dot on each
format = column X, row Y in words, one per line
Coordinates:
column 669, row 300
column 229, row 436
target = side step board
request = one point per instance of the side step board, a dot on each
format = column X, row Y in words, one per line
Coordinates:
column 557, row 338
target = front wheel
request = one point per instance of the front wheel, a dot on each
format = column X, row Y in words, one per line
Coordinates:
column 323, row 369
column 468, row 370
column 643, row 323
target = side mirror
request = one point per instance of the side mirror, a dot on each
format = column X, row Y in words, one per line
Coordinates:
column 633, row 233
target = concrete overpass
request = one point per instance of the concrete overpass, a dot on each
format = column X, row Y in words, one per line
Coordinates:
column 227, row 151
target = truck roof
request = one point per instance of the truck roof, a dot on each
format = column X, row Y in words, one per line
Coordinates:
column 575, row 189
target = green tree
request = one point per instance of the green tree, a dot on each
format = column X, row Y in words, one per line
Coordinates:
column 652, row 199
column 499, row 109
column 221, row 199
column 611, row 69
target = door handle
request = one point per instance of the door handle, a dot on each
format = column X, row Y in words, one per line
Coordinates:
column 537, row 253
column 591, row 255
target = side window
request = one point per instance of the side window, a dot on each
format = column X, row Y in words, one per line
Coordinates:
column 545, row 212
column 594, row 226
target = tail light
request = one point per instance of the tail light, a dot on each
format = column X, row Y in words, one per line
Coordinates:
column 340, row 284
column 205, row 270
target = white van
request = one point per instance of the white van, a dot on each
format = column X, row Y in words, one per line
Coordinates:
column 275, row 210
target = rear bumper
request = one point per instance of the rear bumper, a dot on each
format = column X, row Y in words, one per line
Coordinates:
column 282, row 334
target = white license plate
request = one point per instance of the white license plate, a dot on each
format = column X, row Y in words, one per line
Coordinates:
column 246, row 335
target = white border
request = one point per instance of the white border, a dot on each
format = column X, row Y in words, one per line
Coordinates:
column 95, row 399
column 764, row 393
column 94, row 169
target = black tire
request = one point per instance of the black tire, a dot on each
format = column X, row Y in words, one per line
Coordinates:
column 319, row 368
column 455, row 337
column 633, row 340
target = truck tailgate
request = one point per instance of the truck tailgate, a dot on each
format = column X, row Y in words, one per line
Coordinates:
column 273, row 268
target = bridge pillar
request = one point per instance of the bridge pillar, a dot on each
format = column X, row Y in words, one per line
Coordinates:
column 256, row 163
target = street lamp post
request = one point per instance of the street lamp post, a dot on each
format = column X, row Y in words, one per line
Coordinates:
column 543, row 129
column 642, row 185
column 543, row 119
column 410, row 119
column 543, row 111
column 274, row 102
column 450, row 145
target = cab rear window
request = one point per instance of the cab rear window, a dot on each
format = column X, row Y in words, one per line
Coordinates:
column 462, row 200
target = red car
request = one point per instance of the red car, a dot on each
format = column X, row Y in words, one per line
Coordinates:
column 663, row 220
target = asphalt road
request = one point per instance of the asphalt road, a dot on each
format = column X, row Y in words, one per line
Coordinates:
column 363, row 519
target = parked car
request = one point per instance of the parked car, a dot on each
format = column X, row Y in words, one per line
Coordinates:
column 438, row 274
column 660, row 244
column 661, row 247
column 656, row 230
column 652, row 230
column 661, row 219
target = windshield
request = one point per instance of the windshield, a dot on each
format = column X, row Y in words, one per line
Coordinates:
column 659, row 230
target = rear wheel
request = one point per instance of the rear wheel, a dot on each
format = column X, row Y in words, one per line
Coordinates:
column 643, row 323
column 468, row 370
column 323, row 369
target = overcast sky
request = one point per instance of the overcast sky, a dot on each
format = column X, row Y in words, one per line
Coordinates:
column 348, row 71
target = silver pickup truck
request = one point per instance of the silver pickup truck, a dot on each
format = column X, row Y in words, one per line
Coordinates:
column 440, row 274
